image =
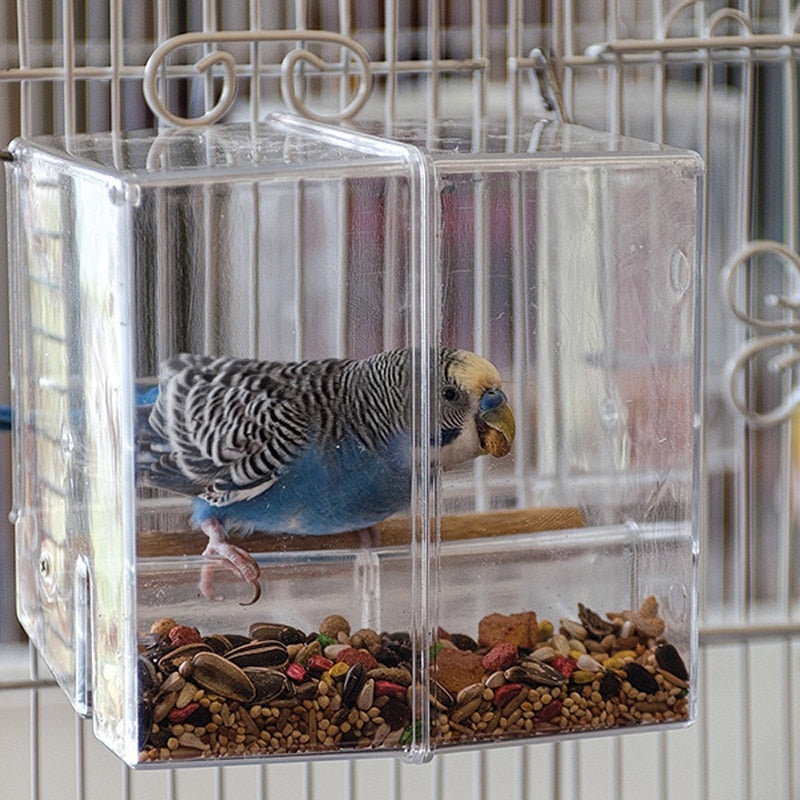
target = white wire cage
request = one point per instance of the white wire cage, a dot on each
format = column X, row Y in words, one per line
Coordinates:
column 719, row 78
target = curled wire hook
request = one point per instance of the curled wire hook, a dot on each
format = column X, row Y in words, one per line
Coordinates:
column 731, row 272
column 783, row 362
column 226, row 60
column 782, row 337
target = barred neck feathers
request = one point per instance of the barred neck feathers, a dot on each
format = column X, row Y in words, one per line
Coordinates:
column 375, row 395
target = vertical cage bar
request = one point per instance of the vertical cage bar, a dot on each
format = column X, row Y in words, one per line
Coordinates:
column 390, row 46
column 125, row 781
column 663, row 755
column 564, row 25
column 343, row 197
column 262, row 782
column 521, row 345
column 343, row 267
column 514, row 51
column 116, row 60
column 437, row 778
column 395, row 780
column 209, row 22
column 479, row 773
column 255, row 59
column 300, row 24
column 345, row 14
column 790, row 132
column 34, row 716
column 481, row 314
column 704, row 137
column 350, row 782
column 615, row 71
column 210, row 266
column 660, row 78
column 256, row 249
column 556, row 769
column 80, row 758
column 433, row 56
column 702, row 720
column 478, row 28
column 391, row 290
column 616, row 766
column 219, row 785
column 523, row 767
column 748, row 522
column 68, row 47
column 747, row 740
column 23, row 46
column 789, row 556
column 172, row 785
column 255, row 11
column 297, row 266
column 790, row 771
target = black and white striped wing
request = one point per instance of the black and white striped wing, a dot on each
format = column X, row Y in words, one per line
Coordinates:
column 228, row 427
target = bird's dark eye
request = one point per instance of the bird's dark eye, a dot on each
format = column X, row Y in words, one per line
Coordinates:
column 449, row 393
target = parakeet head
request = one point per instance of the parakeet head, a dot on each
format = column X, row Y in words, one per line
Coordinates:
column 475, row 416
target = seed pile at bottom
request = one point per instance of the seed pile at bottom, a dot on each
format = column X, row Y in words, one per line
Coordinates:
column 280, row 690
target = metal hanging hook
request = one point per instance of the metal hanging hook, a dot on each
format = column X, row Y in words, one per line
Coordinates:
column 224, row 59
column 549, row 85
column 774, row 343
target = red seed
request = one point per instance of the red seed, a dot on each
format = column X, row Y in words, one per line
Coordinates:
column 183, row 634
column 318, row 664
column 501, row 656
column 180, row 714
column 549, row 712
column 390, row 689
column 504, row 693
column 352, row 656
column 566, row 666
column 296, row 672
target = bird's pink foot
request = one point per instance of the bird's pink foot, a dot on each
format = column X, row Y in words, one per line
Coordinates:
column 234, row 558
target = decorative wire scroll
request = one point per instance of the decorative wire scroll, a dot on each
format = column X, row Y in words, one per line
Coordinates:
column 709, row 39
column 781, row 336
column 227, row 62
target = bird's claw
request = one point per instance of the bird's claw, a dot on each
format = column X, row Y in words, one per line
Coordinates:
column 237, row 560
column 256, row 594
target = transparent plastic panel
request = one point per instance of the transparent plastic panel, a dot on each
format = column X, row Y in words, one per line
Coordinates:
column 73, row 480
column 37, row 234
column 571, row 633
column 287, row 256
column 307, row 269
column 569, row 259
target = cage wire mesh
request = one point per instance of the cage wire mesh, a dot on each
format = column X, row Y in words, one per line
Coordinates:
column 718, row 78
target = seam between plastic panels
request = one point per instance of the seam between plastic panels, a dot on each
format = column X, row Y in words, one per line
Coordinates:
column 424, row 336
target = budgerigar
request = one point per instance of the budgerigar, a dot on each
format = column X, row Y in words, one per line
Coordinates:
column 308, row 447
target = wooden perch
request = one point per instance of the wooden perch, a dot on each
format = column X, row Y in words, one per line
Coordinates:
column 395, row 531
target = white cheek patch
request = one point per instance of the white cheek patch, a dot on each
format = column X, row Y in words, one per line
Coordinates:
column 463, row 448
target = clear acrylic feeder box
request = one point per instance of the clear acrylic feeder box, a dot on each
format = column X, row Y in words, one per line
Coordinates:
column 335, row 441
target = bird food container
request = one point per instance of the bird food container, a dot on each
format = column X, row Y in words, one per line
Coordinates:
column 352, row 440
